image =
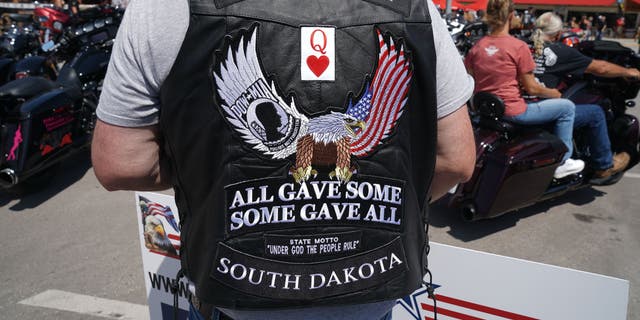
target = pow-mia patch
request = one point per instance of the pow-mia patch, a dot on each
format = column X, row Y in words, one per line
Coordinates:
column 275, row 128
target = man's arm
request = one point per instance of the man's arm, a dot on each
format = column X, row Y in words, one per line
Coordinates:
column 129, row 158
column 533, row 87
column 456, row 154
column 611, row 70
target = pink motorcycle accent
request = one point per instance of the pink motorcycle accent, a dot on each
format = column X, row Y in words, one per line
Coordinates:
column 17, row 139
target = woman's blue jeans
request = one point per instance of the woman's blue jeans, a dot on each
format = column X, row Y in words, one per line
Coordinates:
column 592, row 116
column 559, row 111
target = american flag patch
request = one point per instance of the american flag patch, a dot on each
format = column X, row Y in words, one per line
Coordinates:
column 382, row 103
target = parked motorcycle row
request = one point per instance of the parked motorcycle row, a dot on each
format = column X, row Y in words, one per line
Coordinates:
column 53, row 64
column 514, row 163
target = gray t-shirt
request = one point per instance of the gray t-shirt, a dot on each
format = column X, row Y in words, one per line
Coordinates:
column 147, row 45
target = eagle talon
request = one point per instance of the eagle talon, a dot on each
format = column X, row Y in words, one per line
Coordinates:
column 301, row 174
column 343, row 174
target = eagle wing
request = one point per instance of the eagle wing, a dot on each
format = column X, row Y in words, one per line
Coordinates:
column 383, row 101
column 242, row 85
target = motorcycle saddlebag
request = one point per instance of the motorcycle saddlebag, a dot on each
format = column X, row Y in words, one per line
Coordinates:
column 516, row 173
column 34, row 133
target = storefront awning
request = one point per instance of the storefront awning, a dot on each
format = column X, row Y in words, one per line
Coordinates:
column 582, row 3
column 464, row 4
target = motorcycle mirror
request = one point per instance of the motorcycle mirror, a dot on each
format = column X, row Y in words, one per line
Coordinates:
column 47, row 46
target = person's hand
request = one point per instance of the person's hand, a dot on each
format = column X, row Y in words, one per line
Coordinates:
column 633, row 74
column 555, row 93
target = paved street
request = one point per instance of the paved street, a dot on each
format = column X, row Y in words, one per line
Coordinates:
column 75, row 237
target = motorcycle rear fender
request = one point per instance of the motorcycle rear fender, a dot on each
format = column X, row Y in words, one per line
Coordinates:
column 513, row 174
column 45, row 104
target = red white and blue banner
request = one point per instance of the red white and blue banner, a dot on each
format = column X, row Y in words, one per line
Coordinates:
column 470, row 285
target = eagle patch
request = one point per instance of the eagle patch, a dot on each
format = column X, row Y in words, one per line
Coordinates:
column 276, row 128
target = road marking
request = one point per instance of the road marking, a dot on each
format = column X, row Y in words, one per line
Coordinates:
column 632, row 175
column 79, row 303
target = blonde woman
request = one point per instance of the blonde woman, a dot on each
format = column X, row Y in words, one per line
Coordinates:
column 501, row 64
column 555, row 61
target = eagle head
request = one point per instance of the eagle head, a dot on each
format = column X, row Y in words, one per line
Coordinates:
column 330, row 128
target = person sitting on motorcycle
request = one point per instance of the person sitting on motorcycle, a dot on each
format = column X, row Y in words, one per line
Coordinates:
column 500, row 64
column 554, row 61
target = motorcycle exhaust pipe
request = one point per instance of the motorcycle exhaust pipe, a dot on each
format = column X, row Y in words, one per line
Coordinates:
column 8, row 178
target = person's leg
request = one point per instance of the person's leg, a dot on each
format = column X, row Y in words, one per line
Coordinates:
column 559, row 111
column 593, row 117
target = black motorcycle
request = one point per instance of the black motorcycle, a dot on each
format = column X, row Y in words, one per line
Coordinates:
column 515, row 164
column 46, row 62
column 42, row 122
column 19, row 40
column 468, row 35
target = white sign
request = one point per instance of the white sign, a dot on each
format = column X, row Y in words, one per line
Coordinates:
column 158, row 225
column 480, row 285
column 318, row 53
column 469, row 284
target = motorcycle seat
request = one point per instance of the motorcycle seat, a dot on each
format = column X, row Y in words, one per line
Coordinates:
column 490, row 108
column 498, row 125
column 26, row 88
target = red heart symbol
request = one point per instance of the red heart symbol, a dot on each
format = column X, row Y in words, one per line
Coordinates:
column 318, row 65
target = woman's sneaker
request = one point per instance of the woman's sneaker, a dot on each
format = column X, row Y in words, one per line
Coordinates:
column 570, row 166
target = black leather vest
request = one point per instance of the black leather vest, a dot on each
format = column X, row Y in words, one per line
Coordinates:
column 295, row 192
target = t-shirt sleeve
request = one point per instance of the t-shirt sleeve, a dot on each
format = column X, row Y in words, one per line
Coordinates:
column 570, row 61
column 524, row 59
column 142, row 56
column 454, row 84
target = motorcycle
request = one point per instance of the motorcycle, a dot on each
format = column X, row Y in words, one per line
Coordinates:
column 515, row 164
column 465, row 37
column 52, row 21
column 42, row 122
column 18, row 41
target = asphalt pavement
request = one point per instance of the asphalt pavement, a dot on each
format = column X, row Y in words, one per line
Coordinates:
column 76, row 237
